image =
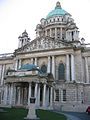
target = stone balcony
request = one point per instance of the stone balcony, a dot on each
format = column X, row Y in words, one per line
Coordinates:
column 21, row 73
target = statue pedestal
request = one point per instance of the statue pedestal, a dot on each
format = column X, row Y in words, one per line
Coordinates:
column 32, row 112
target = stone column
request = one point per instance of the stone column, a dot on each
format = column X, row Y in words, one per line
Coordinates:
column 29, row 94
column 36, row 86
column 50, row 32
column 18, row 102
column 48, row 69
column 16, row 64
column 47, row 93
column 51, row 98
column 20, row 63
column 38, row 96
column 14, row 94
column 3, row 70
column 55, row 33
column 67, row 68
column 11, row 94
column 44, row 95
column 87, row 71
column 72, row 67
column 36, row 61
column 61, row 33
column 36, row 64
column 31, row 60
column 53, row 66
column 5, row 94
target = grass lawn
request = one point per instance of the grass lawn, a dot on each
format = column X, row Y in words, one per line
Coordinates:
column 19, row 114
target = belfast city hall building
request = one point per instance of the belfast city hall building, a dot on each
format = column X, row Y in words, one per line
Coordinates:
column 54, row 67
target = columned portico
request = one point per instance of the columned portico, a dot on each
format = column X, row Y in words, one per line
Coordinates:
column 25, row 85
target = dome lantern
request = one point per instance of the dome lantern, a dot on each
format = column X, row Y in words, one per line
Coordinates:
column 58, row 5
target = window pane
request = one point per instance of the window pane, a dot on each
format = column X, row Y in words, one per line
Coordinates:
column 64, row 95
column 44, row 69
column 57, row 95
column 61, row 72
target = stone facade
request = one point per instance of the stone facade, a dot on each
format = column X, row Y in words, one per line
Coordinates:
column 64, row 60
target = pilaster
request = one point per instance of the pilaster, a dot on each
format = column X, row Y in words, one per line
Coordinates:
column 67, row 68
column 48, row 69
column 87, row 71
column 61, row 33
column 53, row 66
column 72, row 67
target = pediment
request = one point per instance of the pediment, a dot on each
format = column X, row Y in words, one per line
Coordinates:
column 43, row 43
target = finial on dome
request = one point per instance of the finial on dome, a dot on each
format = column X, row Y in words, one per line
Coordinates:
column 58, row 5
column 25, row 33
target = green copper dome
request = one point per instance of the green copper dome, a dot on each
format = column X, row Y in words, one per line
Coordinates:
column 58, row 11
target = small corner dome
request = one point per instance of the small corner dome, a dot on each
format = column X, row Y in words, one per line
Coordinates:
column 58, row 11
column 29, row 67
column 25, row 33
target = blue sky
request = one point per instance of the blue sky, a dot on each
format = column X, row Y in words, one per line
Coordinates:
column 18, row 15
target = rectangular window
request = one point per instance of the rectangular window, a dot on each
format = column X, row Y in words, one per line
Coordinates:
column 57, row 95
column 64, row 95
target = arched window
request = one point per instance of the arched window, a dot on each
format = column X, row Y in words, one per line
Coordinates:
column 44, row 68
column 61, row 71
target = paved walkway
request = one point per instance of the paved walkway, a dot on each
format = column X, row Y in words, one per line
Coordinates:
column 69, row 117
